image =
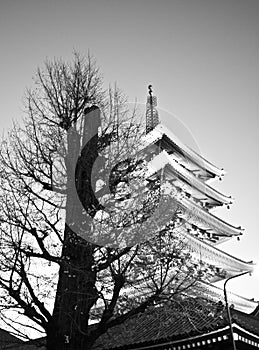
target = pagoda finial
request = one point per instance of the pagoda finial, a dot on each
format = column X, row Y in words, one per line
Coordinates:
column 150, row 90
column 152, row 119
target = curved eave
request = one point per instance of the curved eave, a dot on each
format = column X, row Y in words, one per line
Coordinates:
column 216, row 293
column 177, row 170
column 160, row 132
column 198, row 215
column 216, row 257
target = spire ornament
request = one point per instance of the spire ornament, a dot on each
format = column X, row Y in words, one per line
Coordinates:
column 152, row 118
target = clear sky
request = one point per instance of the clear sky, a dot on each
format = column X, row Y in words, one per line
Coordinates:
column 202, row 57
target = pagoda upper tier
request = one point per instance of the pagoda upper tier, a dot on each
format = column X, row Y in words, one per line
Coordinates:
column 189, row 159
column 188, row 173
column 184, row 179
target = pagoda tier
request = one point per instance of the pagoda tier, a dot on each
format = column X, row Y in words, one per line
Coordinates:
column 166, row 140
column 190, row 194
column 205, row 221
column 216, row 293
column 188, row 182
column 211, row 256
column 225, row 264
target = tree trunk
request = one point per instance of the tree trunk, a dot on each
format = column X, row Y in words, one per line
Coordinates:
column 75, row 296
column 76, row 292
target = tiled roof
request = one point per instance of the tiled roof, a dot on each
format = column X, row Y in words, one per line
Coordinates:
column 160, row 325
column 160, row 132
column 169, row 323
column 248, row 322
column 7, row 339
column 37, row 344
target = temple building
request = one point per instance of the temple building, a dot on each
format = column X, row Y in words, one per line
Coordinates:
column 168, row 328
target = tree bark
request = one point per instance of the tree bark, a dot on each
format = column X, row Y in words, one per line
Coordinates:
column 76, row 292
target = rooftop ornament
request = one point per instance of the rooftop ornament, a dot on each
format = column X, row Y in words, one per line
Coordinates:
column 152, row 118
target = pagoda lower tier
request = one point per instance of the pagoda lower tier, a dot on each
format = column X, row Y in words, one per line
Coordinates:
column 216, row 293
column 221, row 263
column 225, row 265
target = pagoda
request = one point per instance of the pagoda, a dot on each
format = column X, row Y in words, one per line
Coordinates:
column 169, row 327
column 191, row 176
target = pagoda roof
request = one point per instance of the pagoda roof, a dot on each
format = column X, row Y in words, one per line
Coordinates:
column 222, row 261
column 200, row 217
column 216, row 293
column 211, row 255
column 174, row 326
column 176, row 171
column 160, row 132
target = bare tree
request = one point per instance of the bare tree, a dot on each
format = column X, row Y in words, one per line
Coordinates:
column 67, row 260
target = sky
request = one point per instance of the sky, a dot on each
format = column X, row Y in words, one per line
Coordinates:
column 201, row 56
